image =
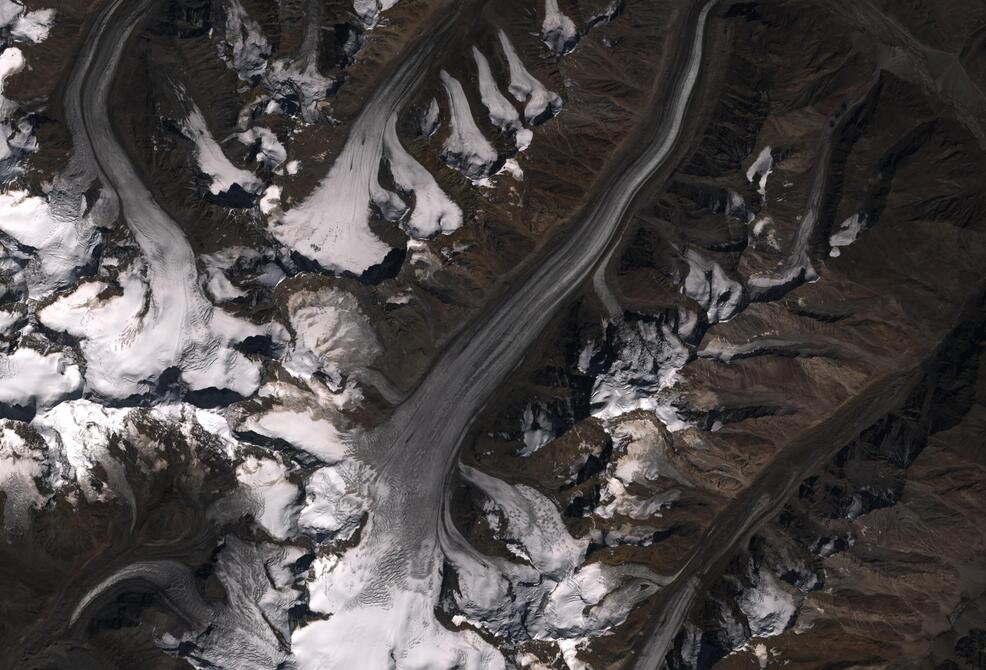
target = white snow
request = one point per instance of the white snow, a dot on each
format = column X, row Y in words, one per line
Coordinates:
column 369, row 11
column 301, row 429
column 78, row 435
column 649, row 358
column 271, row 152
column 555, row 597
column 709, row 286
column 211, row 159
column 21, row 467
column 536, row 427
column 332, row 335
column 62, row 245
column 761, row 169
column 429, row 119
column 147, row 324
column 28, row 376
column 9, row 319
column 465, row 149
column 535, row 522
column 767, row 606
column 503, row 114
column 331, row 226
column 248, row 48
column 334, row 503
column 274, row 497
column 270, row 201
column 433, row 211
column 558, row 31
column 849, row 231
column 25, row 26
column 16, row 129
column 392, row 626
column 524, row 87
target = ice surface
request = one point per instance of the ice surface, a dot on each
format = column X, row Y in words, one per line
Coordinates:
column 30, row 377
column 248, row 47
column 647, row 358
column 369, row 10
column 541, row 103
column 503, row 114
column 429, row 119
column 848, row 232
column 558, row 31
column 392, row 626
column 301, row 429
column 331, row 226
column 707, row 284
column 22, row 466
column 332, row 335
column 16, row 129
column 62, row 245
column 433, row 211
column 334, row 503
column 536, row 427
column 78, row 435
column 761, row 169
column 465, row 149
column 556, row 597
column 273, row 496
column 271, row 152
column 211, row 159
column 144, row 323
column 767, row 606
column 25, row 26
column 535, row 522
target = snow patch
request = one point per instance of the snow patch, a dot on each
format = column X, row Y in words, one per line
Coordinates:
column 433, row 211
column 646, row 360
column 707, row 284
column 270, row 151
column 465, row 149
column 274, row 498
column 302, row 430
column 211, row 159
column 369, row 11
column 502, row 113
column 541, row 103
column 849, row 231
column 26, row 26
column 558, row 31
column 761, row 169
